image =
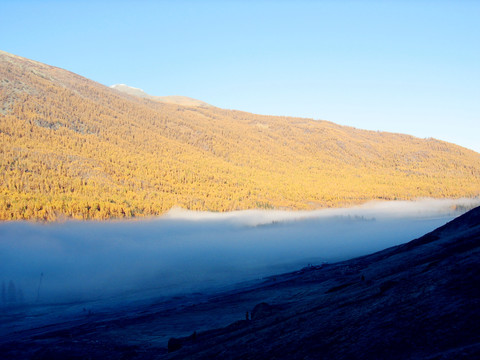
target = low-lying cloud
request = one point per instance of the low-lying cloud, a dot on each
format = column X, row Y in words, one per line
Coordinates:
column 187, row 251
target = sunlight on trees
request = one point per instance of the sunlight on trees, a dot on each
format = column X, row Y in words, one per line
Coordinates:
column 74, row 148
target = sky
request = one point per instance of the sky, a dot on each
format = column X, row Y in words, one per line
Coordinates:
column 401, row 66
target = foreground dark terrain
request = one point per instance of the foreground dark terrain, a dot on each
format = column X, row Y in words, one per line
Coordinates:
column 420, row 300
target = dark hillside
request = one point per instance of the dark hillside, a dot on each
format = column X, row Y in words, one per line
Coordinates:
column 415, row 301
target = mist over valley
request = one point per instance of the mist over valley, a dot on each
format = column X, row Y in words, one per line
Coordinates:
column 186, row 251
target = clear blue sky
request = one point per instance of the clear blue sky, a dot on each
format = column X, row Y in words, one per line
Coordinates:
column 402, row 66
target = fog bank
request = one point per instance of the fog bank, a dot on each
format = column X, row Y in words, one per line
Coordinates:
column 187, row 251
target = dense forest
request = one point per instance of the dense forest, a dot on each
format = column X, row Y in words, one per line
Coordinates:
column 74, row 148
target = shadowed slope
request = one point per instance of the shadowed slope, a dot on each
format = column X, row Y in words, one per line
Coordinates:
column 415, row 301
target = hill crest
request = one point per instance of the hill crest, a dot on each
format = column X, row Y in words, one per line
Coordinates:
column 171, row 99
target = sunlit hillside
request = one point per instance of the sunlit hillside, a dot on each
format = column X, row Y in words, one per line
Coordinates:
column 74, row 148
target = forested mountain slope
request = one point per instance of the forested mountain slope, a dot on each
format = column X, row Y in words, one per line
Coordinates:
column 73, row 147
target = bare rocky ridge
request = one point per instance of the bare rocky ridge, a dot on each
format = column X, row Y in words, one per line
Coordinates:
column 419, row 300
column 171, row 99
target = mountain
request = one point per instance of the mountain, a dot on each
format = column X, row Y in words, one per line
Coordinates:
column 418, row 300
column 72, row 147
column 175, row 99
